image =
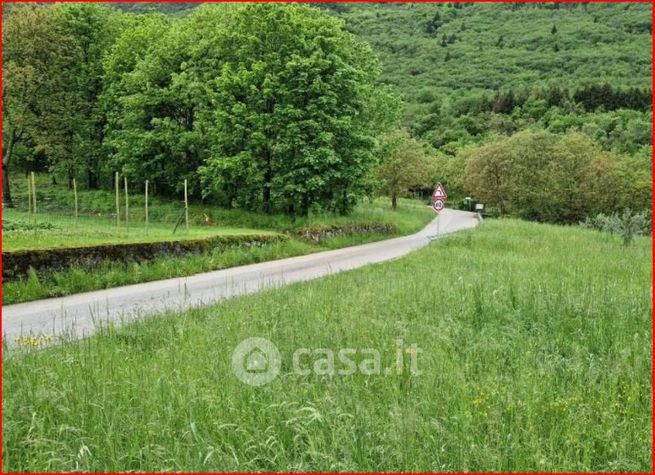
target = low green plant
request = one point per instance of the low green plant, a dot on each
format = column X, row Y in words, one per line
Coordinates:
column 626, row 225
column 23, row 225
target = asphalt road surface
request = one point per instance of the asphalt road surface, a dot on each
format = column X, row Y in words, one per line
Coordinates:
column 77, row 316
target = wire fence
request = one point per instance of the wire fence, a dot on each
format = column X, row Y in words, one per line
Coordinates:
column 40, row 205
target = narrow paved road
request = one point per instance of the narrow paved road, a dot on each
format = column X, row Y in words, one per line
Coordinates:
column 78, row 315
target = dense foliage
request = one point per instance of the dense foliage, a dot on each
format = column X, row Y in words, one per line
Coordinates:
column 574, row 77
column 468, row 70
column 295, row 115
column 262, row 107
column 283, row 107
column 545, row 177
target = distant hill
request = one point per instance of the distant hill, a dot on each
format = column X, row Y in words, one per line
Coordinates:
column 444, row 53
column 482, row 46
column 442, row 58
column 490, row 46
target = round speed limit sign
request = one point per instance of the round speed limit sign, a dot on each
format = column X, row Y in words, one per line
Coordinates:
column 438, row 205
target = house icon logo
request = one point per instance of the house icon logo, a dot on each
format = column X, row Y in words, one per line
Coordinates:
column 256, row 361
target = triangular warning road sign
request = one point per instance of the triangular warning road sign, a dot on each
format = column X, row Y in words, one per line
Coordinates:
column 439, row 192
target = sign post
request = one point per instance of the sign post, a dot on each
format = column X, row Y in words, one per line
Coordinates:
column 438, row 201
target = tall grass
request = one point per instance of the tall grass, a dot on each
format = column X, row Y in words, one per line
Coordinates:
column 536, row 357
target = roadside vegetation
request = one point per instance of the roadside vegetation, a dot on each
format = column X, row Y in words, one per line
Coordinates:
column 22, row 231
column 54, row 227
column 543, row 364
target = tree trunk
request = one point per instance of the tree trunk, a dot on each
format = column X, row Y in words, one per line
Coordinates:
column 267, row 198
column 92, row 179
column 304, row 205
column 394, row 201
column 7, row 202
column 343, row 208
column 268, row 178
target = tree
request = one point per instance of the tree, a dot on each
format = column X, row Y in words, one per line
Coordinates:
column 432, row 26
column 545, row 177
column 155, row 97
column 487, row 174
column 296, row 112
column 34, row 51
column 404, row 165
column 92, row 30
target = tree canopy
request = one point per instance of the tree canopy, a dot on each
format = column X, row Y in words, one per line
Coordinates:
column 533, row 109
column 264, row 107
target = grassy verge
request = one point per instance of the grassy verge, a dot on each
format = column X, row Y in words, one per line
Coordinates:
column 114, row 274
column 536, row 356
column 55, row 231
column 58, row 200
column 111, row 274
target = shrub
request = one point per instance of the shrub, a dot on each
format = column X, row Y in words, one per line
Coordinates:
column 627, row 225
column 20, row 225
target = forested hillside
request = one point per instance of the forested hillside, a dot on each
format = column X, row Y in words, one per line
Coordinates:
column 480, row 47
column 466, row 70
column 457, row 64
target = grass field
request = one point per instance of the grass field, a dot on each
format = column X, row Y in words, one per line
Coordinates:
column 54, row 231
column 57, row 200
column 536, row 356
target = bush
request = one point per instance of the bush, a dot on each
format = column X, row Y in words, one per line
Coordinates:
column 627, row 225
column 539, row 176
column 20, row 225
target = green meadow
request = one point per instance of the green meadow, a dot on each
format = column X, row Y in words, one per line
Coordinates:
column 53, row 231
column 536, row 356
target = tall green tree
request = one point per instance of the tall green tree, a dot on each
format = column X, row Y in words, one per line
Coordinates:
column 295, row 119
column 154, row 98
column 35, row 50
column 92, row 29
column 404, row 165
